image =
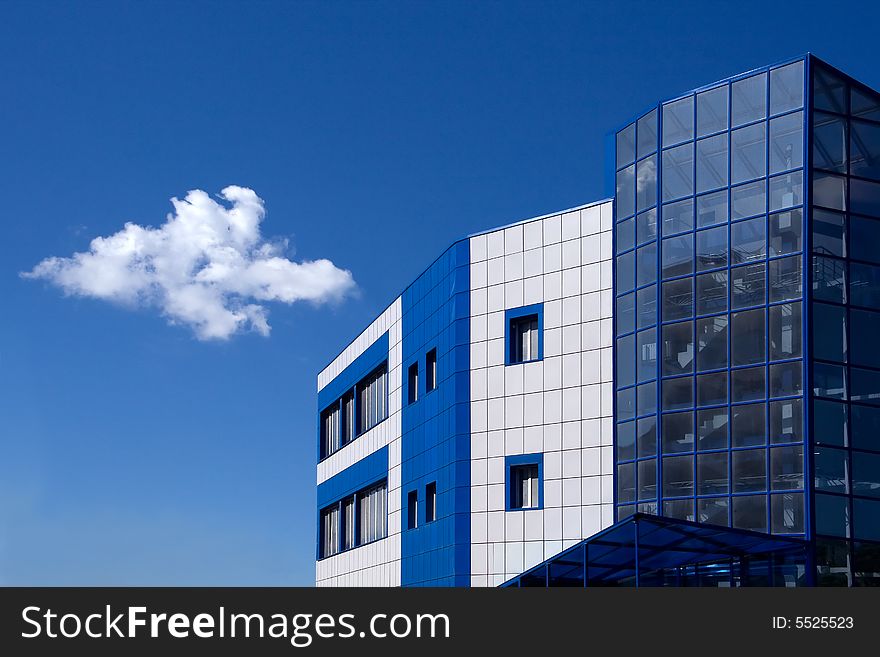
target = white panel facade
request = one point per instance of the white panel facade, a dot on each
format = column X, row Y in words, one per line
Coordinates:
column 560, row 406
column 377, row 563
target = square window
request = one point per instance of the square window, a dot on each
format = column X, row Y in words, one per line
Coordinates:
column 829, row 279
column 747, row 384
column 749, row 200
column 678, row 432
column 748, row 286
column 864, row 155
column 747, row 241
column 413, row 383
column 749, row 425
column 786, row 190
column 431, row 370
column 712, row 209
column 712, row 430
column 678, row 394
column 678, row 476
column 787, row 468
column 524, row 484
column 524, row 339
column 712, row 293
column 712, row 389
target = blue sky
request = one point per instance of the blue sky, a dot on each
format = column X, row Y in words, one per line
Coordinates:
column 376, row 134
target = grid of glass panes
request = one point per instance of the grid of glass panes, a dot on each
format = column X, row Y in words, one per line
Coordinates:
column 846, row 326
column 708, row 285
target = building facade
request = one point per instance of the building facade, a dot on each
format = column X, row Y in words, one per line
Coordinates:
column 691, row 362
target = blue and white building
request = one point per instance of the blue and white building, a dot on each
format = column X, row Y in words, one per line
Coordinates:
column 679, row 385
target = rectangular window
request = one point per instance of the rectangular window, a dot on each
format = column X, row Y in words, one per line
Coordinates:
column 431, row 370
column 524, row 486
column 372, row 395
column 330, row 531
column 348, row 525
column 355, row 520
column 330, row 430
column 412, row 385
column 347, row 419
column 373, row 513
column 524, row 339
column 412, row 509
column 431, row 502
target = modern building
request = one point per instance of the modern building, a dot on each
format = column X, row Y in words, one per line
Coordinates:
column 676, row 386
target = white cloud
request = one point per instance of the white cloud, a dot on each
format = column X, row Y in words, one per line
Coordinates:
column 206, row 267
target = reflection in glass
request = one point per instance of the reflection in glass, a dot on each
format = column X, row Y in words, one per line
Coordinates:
column 864, row 285
column 785, row 331
column 829, row 232
column 678, row 299
column 747, row 384
column 625, row 314
column 678, row 172
column 830, row 469
column 712, row 429
column 829, row 332
column 747, row 240
column 864, row 154
column 787, row 142
column 786, row 421
column 829, row 279
column 864, row 197
column 626, row 482
column 785, row 232
column 646, row 263
column 646, row 399
column 749, row 200
column 626, row 404
column 747, row 342
column 712, row 248
column 864, row 105
column 626, row 146
column 678, row 121
column 787, row 513
column 625, row 201
column 785, row 278
column 829, row 142
column 647, row 479
column 711, row 343
column 626, row 441
column 713, row 511
column 748, row 150
column 712, row 293
column 750, row 512
column 830, row 421
column 626, row 367
column 678, row 432
column 678, row 348
column 646, row 183
column 712, row 389
column 864, row 386
column 786, row 190
column 749, row 99
column 786, row 379
column 678, row 394
column 646, row 438
column 829, row 381
column 829, row 91
column 712, row 209
column 712, row 473
column 712, row 111
column 646, row 226
column 647, row 355
column 678, row 255
column 864, row 329
column 678, row 476
column 749, row 471
column 747, row 285
column 680, row 509
column 829, row 191
column 712, row 163
column 866, row 474
column 832, row 515
column 647, row 305
column 678, row 217
column 865, row 427
column 748, row 425
column 865, row 235
column 626, row 271
column 787, row 88
column 647, row 134
column 625, row 233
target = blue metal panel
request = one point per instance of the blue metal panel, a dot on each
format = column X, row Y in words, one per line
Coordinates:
column 436, row 427
column 371, row 358
column 369, row 470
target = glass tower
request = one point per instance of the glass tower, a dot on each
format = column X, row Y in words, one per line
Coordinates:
column 747, row 276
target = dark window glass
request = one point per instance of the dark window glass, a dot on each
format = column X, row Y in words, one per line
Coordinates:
column 832, row 515
column 830, row 468
column 646, row 183
column 750, row 512
column 712, row 111
column 413, row 383
column 712, row 248
column 787, row 142
column 646, row 226
column 748, row 285
column 412, row 509
column 864, row 238
column 626, row 404
column 866, row 474
column 626, row 146
column 712, row 389
column 678, row 121
column 829, row 91
column 829, row 233
column 525, row 485
column 626, row 482
column 431, row 370
column 678, row 432
column 678, row 299
column 678, row 476
column 787, row 88
column 866, row 561
column 626, row 367
column 865, row 427
column 749, row 470
column 829, row 422
column 865, row 105
column 864, row 150
column 678, row 172
column 712, row 293
column 625, row 233
column 431, row 502
column 786, row 421
column 647, row 398
column 747, row 342
column 787, row 513
column 785, row 331
column 680, row 509
column 829, row 332
column 747, row 240
column 647, row 134
column 646, row 264
column 678, row 255
column 712, row 473
column 524, row 339
column 866, row 517
column 626, row 441
column 712, row 429
column 749, row 425
column 713, row 511
column 832, row 562
column 829, row 279
column 747, row 384
column 711, row 343
column 748, row 153
column 786, row 379
column 786, row 190
column 647, row 479
column 678, row 217
column 712, row 209
column 829, row 381
column 625, row 313
column 647, row 355
column 647, row 436
column 785, row 279
column 864, row 285
column 647, row 305
column 625, row 196
column 678, row 348
column 626, row 272
column 864, row 386
column 787, row 468
column 712, row 163
column 829, row 191
column 864, row 197
column 678, row 394
column 829, row 142
column 864, row 329
column 785, row 232
column 749, row 99
column 749, row 200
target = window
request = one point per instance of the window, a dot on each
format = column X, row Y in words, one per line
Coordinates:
column 348, row 523
column 712, row 293
column 412, row 509
column 748, row 149
column 330, row 531
column 864, row 155
column 330, row 430
column 748, row 200
column 747, row 344
column 678, row 299
column 829, row 142
column 373, row 513
column 678, row 256
column 625, row 234
column 711, row 343
column 413, row 383
column 678, row 348
column 625, row 313
column 678, row 172
column 747, row 241
column 678, row 121
column 712, row 163
column 524, row 485
column 646, row 183
column 647, row 134
column 712, row 430
column 786, row 421
column 786, row 190
column 785, row 232
column 646, row 264
column 829, row 232
column 431, row 502
column 749, row 99
column 372, row 394
column 431, row 370
column 785, row 331
column 626, row 145
column 626, row 441
column 712, row 209
column 678, row 217
column 524, row 341
column 678, row 432
column 749, row 470
column 712, row 111
column 787, row 142
column 626, row 191
column 712, row 248
column 787, row 88
column 353, row 521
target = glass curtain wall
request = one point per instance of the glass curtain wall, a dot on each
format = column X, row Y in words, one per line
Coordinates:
column 709, row 300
